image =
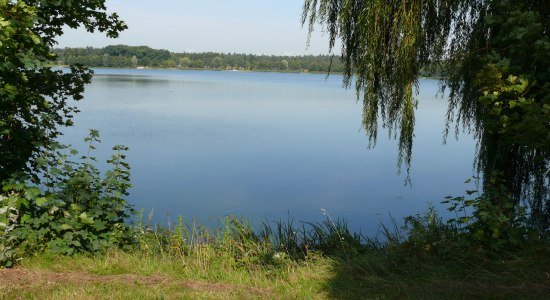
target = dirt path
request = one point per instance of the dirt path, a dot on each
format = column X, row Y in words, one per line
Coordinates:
column 21, row 278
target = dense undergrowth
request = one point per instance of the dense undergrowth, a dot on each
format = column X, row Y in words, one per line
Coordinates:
column 77, row 215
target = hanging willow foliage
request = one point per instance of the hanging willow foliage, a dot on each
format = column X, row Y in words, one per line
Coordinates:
column 496, row 57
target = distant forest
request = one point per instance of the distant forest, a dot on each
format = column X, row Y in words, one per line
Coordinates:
column 122, row 56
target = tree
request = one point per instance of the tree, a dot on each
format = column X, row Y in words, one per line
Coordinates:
column 217, row 62
column 34, row 98
column 106, row 60
column 284, row 62
column 169, row 63
column 185, row 62
column 495, row 55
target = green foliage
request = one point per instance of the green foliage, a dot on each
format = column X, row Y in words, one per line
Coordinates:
column 34, row 98
column 75, row 210
column 430, row 236
column 513, row 100
column 491, row 225
column 385, row 45
column 495, row 56
column 121, row 56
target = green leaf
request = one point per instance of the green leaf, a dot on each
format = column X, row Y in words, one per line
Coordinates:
column 41, row 201
column 35, row 39
column 41, row 161
column 66, row 227
column 25, row 218
column 85, row 219
column 77, row 207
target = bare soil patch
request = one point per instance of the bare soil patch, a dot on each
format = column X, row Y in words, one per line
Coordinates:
column 22, row 278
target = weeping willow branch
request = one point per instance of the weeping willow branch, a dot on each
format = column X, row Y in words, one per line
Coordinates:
column 479, row 45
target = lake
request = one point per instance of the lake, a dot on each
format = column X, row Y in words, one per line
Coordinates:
column 207, row 144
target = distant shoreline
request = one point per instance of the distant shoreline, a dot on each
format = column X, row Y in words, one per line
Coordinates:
column 208, row 69
column 241, row 71
column 131, row 57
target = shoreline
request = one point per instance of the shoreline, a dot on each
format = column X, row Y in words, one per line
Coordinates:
column 240, row 71
column 207, row 69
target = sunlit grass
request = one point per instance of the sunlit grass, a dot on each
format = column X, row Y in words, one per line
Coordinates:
column 282, row 261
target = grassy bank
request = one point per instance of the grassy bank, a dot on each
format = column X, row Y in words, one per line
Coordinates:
column 285, row 261
column 134, row 275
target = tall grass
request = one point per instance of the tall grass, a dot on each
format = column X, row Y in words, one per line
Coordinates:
column 427, row 258
column 237, row 238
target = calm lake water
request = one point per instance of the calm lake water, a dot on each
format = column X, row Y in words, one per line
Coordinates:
column 207, row 144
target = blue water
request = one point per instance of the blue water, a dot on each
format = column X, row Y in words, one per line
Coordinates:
column 206, row 144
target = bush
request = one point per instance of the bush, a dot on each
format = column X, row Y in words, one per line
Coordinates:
column 72, row 210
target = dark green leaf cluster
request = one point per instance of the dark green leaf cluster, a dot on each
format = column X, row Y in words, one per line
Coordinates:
column 488, row 226
column 510, row 96
column 74, row 210
column 34, row 98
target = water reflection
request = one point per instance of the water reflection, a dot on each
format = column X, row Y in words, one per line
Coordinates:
column 207, row 144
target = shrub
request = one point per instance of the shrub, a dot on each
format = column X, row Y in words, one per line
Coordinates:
column 73, row 209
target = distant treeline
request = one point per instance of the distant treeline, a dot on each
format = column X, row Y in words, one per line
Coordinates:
column 122, row 56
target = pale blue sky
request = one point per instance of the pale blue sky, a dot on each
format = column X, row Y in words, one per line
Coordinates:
column 243, row 26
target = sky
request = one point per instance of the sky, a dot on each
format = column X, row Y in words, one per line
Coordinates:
column 228, row 26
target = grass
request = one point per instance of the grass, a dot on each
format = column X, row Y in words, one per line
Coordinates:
column 311, row 261
column 214, row 276
column 122, row 275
